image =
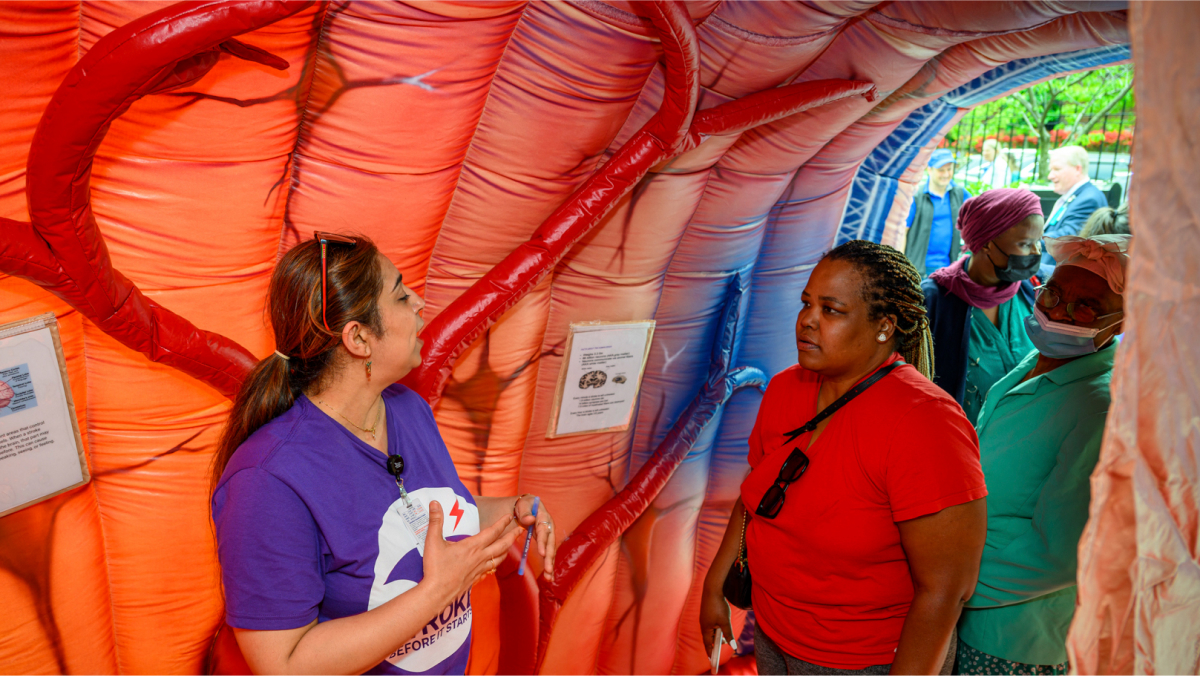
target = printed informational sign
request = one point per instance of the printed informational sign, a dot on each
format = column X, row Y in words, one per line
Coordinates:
column 600, row 377
column 41, row 453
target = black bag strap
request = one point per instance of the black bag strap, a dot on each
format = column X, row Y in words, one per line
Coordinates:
column 843, row 400
column 741, row 557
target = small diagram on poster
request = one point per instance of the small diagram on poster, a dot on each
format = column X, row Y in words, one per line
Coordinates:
column 600, row 377
column 41, row 452
column 16, row 390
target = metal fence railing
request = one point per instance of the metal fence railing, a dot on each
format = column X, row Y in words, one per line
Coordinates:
column 1020, row 153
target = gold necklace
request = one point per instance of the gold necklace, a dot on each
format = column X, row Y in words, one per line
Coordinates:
column 365, row 430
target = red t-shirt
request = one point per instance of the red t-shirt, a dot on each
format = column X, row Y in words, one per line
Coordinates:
column 831, row 581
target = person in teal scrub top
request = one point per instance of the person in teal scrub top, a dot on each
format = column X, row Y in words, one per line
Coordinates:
column 1039, row 440
column 977, row 305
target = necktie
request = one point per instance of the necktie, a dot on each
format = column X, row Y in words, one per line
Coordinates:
column 1059, row 207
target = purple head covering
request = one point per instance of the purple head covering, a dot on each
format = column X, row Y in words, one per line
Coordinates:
column 983, row 217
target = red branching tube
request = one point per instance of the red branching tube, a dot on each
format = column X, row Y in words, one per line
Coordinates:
column 469, row 315
column 774, row 104
column 671, row 131
column 579, row 552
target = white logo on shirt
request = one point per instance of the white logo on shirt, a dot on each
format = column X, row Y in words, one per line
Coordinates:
column 446, row 632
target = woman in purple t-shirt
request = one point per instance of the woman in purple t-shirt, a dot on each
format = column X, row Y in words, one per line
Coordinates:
column 347, row 542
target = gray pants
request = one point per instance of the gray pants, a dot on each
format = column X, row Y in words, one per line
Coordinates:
column 771, row 660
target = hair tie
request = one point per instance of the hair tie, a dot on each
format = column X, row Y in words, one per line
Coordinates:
column 283, row 356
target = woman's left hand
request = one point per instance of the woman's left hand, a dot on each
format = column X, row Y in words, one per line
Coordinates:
column 543, row 530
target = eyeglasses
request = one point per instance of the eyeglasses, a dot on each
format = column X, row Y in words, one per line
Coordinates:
column 1084, row 314
column 793, row 468
column 325, row 238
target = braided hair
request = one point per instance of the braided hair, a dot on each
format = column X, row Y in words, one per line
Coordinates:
column 892, row 286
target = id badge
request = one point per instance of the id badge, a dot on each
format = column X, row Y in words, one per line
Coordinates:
column 416, row 519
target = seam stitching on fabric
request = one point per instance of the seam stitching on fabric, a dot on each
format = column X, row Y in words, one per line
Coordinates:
column 87, row 424
column 704, row 22
column 611, row 15
column 112, row 604
column 733, row 30
column 601, row 159
column 79, row 36
column 301, row 125
column 89, row 273
column 462, row 165
column 892, row 22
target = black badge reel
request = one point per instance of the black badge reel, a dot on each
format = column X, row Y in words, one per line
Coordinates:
column 395, row 467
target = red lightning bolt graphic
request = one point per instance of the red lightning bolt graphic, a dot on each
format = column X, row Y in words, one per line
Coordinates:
column 457, row 513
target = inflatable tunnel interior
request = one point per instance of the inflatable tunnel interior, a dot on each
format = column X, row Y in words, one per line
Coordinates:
column 526, row 165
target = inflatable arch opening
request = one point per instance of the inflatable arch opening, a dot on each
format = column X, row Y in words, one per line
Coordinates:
column 527, row 166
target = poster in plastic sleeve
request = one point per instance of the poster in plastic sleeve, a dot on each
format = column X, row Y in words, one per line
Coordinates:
column 41, row 452
column 600, row 377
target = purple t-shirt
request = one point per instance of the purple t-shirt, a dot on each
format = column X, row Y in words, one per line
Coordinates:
column 309, row 527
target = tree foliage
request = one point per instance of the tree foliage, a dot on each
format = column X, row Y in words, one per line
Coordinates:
column 1059, row 112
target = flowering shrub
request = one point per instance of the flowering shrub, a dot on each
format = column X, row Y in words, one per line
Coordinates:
column 1059, row 136
column 1107, row 141
column 1095, row 140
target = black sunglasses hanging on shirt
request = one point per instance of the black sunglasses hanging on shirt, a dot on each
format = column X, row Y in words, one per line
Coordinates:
column 739, row 583
column 797, row 462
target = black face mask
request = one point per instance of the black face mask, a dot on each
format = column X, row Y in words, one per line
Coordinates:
column 1019, row 268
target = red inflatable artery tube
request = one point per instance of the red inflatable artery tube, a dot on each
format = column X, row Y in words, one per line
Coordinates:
column 591, row 539
column 469, row 315
column 65, row 253
column 672, row 131
column 61, row 249
column 768, row 106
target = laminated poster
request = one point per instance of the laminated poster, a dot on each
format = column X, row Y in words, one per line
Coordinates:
column 600, row 377
column 41, row 453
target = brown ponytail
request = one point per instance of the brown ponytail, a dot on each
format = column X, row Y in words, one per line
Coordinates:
column 892, row 286
column 354, row 282
column 1107, row 221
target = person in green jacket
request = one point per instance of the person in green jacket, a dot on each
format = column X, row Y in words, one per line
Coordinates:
column 1039, row 440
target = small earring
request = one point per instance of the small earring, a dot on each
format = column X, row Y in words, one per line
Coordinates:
column 882, row 338
column 368, row 370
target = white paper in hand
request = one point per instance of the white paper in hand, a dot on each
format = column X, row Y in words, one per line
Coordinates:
column 715, row 658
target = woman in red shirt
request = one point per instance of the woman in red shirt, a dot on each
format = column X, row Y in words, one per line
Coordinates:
column 864, row 564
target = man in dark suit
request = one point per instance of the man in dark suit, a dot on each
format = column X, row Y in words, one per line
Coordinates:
column 933, row 238
column 1080, row 197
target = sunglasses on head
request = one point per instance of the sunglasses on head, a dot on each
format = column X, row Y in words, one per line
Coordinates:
column 793, row 468
column 325, row 238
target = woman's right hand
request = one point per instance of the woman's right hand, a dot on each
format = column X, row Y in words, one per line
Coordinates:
column 714, row 610
column 454, row 567
column 714, row 613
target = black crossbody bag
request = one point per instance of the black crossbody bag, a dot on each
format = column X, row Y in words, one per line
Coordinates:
column 738, row 582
